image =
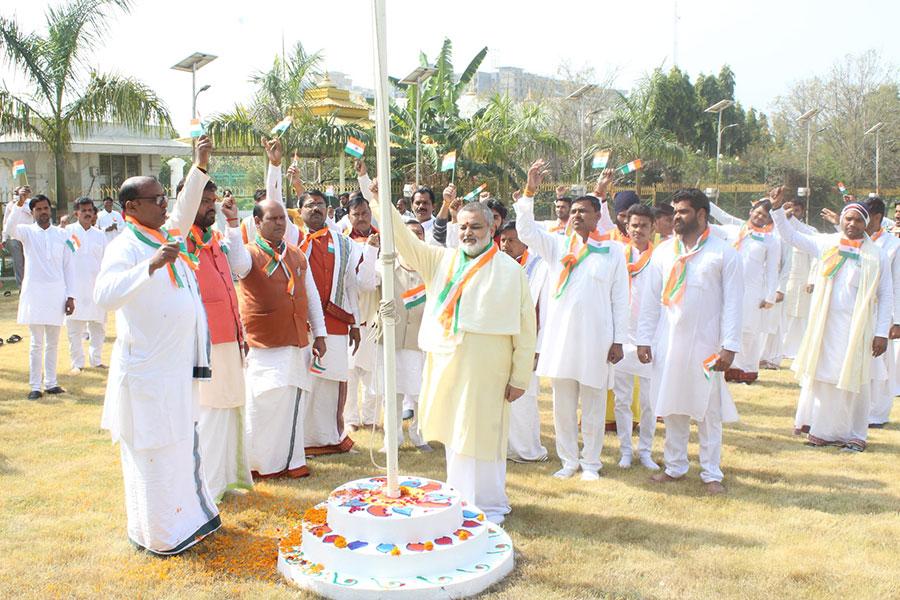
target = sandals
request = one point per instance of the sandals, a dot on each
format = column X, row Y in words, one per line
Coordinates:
column 14, row 338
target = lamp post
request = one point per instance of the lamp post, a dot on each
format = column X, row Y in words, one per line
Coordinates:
column 579, row 95
column 807, row 118
column 719, row 107
column 190, row 65
column 419, row 76
column 876, row 128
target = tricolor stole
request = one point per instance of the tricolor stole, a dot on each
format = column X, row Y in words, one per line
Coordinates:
column 159, row 237
column 577, row 251
column 834, row 258
column 202, row 239
column 708, row 365
column 461, row 271
column 413, row 297
column 636, row 266
column 758, row 234
column 73, row 243
column 673, row 292
column 877, row 234
column 276, row 259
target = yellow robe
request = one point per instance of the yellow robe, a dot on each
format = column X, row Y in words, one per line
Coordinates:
column 462, row 403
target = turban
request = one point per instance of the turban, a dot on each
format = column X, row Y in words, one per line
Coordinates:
column 624, row 200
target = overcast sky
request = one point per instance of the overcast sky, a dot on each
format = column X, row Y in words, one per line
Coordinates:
column 769, row 44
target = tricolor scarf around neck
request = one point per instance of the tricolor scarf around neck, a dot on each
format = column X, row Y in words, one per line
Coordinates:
column 309, row 238
column 578, row 251
column 834, row 258
column 276, row 259
column 73, row 243
column 636, row 266
column 159, row 237
column 202, row 239
column 750, row 230
column 673, row 292
column 877, row 234
column 461, row 271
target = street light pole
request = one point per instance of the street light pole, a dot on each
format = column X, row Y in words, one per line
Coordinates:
column 419, row 76
column 807, row 118
column 718, row 107
column 876, row 129
column 190, row 65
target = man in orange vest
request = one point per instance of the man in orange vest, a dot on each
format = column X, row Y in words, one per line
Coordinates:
column 279, row 306
column 221, row 423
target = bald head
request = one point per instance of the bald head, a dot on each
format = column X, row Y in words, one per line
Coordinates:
column 135, row 187
column 271, row 220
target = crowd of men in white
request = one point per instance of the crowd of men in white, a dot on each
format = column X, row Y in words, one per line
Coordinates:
column 251, row 345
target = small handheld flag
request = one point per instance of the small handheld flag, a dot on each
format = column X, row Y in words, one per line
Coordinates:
column 601, row 157
column 355, row 147
column 73, row 243
column 708, row 365
column 448, row 163
column 197, row 128
column 474, row 193
column 413, row 297
column 316, row 367
column 282, row 126
column 18, row 168
column 631, row 167
column 841, row 188
column 329, row 191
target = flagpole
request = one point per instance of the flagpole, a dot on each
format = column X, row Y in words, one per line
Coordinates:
column 388, row 252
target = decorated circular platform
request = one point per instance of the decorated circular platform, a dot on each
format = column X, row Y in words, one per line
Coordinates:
column 428, row 543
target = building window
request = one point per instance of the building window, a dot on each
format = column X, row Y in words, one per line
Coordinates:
column 116, row 168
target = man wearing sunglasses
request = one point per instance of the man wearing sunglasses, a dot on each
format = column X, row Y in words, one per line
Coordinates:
column 161, row 351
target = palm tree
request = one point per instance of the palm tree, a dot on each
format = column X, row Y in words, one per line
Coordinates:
column 633, row 134
column 66, row 96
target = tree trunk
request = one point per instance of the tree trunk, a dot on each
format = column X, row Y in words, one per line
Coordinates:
column 62, row 205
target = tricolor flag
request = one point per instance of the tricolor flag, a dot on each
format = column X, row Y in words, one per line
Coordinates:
column 601, row 157
column 413, row 296
column 474, row 193
column 18, row 168
column 197, row 128
column 448, row 163
column 355, row 147
column 849, row 248
column 282, row 126
column 329, row 191
column 631, row 167
column 73, row 243
column 842, row 189
column 316, row 368
column 599, row 246
column 708, row 365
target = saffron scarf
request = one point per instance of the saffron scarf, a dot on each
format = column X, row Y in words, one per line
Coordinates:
column 276, row 259
column 159, row 237
column 461, row 271
column 673, row 292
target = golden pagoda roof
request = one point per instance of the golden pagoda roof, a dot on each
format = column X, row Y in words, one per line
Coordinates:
column 329, row 101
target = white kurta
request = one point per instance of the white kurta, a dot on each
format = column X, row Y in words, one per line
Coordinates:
column 49, row 275
column 86, row 264
column 885, row 372
column 151, row 403
column 683, row 336
column 106, row 219
column 821, row 403
column 796, row 298
column 590, row 315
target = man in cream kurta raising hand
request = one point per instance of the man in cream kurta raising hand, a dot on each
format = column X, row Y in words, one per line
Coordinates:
column 478, row 332
column 587, row 321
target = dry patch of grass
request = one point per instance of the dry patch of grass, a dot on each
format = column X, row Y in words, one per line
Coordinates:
column 797, row 522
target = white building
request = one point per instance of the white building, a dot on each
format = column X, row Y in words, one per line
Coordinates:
column 96, row 164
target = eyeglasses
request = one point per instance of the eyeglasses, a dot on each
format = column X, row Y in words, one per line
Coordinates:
column 160, row 200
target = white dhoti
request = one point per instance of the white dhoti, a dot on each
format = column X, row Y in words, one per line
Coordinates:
column 167, row 501
column 362, row 406
column 624, row 393
column 524, row 444
column 409, row 383
column 709, row 432
column 96, row 335
column 880, row 392
column 482, row 482
column 323, row 418
column 747, row 360
column 566, row 393
column 43, row 355
column 224, row 450
column 794, row 327
column 275, row 429
column 834, row 416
